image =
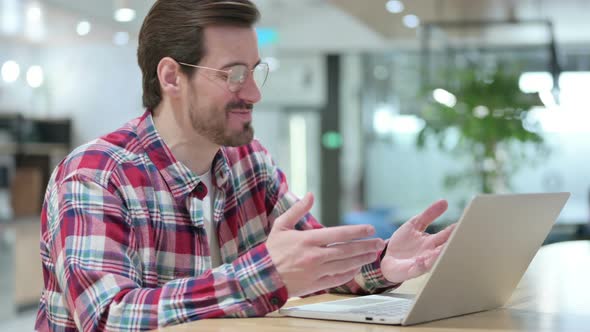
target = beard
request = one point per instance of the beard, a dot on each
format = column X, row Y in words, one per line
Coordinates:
column 212, row 125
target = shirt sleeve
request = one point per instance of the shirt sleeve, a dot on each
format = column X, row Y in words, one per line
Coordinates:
column 369, row 281
column 97, row 264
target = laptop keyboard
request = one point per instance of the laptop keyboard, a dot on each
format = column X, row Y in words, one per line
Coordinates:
column 390, row 308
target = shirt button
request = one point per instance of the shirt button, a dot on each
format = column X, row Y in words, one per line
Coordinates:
column 274, row 301
column 201, row 190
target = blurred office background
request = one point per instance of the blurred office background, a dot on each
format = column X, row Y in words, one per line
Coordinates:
column 378, row 107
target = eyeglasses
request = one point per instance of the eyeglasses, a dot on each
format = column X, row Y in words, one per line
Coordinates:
column 237, row 75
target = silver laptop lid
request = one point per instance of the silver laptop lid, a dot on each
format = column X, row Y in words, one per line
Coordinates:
column 487, row 254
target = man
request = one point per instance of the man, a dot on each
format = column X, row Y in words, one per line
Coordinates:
column 180, row 215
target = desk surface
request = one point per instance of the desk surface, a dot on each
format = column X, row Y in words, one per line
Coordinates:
column 554, row 295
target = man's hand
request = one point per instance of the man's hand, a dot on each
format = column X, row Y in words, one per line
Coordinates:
column 313, row 260
column 411, row 252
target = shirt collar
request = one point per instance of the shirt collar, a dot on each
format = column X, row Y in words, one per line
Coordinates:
column 180, row 179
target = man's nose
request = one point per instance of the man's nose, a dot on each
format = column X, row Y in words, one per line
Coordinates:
column 250, row 91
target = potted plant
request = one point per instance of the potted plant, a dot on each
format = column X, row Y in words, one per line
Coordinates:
column 488, row 121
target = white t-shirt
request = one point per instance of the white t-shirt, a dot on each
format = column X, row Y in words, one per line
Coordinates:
column 210, row 226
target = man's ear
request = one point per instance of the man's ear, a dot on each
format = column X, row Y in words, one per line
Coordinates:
column 169, row 76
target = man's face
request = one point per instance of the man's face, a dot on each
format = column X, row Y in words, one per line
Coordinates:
column 221, row 116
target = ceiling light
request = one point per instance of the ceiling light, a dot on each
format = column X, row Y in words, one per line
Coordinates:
column 532, row 82
column 34, row 12
column 481, row 111
column 394, row 6
column 34, row 28
column 411, row 21
column 10, row 18
column 444, row 97
column 121, row 38
column 10, row 71
column 124, row 14
column 548, row 99
column 574, row 90
column 406, row 124
column 83, row 28
column 35, row 76
column 383, row 117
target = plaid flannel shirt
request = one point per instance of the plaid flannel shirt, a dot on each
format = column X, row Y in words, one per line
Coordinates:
column 123, row 245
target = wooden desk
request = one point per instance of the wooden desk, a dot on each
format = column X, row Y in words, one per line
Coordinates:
column 554, row 295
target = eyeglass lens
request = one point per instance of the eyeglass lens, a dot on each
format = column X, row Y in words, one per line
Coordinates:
column 239, row 73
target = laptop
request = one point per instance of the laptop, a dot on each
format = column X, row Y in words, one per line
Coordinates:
column 486, row 256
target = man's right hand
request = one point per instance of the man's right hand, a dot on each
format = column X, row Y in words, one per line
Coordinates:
column 313, row 260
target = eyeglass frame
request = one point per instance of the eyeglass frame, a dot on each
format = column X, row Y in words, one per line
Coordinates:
column 240, row 84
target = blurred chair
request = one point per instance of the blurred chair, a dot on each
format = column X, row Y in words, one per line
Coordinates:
column 380, row 218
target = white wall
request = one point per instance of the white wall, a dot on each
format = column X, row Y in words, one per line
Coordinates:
column 327, row 29
column 300, row 80
column 566, row 169
column 18, row 96
column 98, row 85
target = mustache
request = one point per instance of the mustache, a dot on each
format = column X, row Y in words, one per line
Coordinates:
column 239, row 105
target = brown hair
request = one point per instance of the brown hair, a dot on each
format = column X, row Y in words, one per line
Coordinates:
column 174, row 28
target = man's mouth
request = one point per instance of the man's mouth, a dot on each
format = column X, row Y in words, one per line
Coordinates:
column 241, row 110
column 242, row 114
column 239, row 107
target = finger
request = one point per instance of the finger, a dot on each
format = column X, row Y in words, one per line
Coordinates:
column 418, row 267
column 425, row 262
column 334, row 280
column 343, row 265
column 431, row 257
column 331, row 235
column 441, row 237
column 289, row 219
column 421, row 221
column 351, row 249
column 400, row 270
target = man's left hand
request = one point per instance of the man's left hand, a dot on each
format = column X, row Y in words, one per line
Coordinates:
column 411, row 251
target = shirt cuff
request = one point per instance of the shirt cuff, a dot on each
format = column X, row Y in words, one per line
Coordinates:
column 260, row 281
column 372, row 276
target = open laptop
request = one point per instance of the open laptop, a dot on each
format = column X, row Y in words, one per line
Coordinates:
column 481, row 265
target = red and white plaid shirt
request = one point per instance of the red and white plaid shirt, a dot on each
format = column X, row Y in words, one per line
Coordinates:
column 124, row 247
